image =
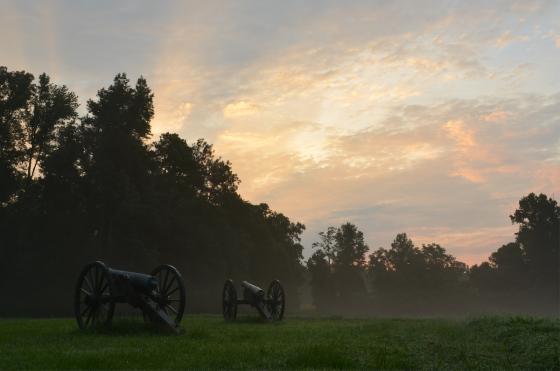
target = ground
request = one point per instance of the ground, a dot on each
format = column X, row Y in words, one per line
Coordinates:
column 209, row 342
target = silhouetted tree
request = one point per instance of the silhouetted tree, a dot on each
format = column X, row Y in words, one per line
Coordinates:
column 524, row 275
column 415, row 280
column 77, row 189
column 539, row 238
column 16, row 90
column 327, row 244
column 30, row 115
column 118, row 167
column 322, row 286
column 341, row 251
column 510, row 267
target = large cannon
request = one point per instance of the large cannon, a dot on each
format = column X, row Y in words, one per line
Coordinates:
column 270, row 305
column 160, row 295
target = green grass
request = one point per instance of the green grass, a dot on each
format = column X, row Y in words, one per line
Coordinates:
column 208, row 342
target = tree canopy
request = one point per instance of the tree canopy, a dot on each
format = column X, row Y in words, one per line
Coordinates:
column 75, row 189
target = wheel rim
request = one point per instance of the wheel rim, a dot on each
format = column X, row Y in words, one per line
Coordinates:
column 170, row 295
column 93, row 306
column 229, row 301
column 276, row 300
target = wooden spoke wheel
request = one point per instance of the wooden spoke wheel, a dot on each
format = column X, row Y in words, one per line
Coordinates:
column 229, row 301
column 93, row 304
column 170, row 291
column 275, row 300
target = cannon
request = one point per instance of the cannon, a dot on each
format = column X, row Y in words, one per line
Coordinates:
column 270, row 305
column 160, row 295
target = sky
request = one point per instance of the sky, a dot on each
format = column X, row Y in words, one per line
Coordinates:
column 427, row 117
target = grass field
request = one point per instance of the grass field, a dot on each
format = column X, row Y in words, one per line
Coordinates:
column 208, row 342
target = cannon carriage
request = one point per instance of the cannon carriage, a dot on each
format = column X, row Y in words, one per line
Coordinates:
column 270, row 305
column 160, row 295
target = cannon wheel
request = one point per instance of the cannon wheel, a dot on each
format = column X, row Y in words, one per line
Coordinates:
column 93, row 305
column 275, row 300
column 229, row 301
column 171, row 291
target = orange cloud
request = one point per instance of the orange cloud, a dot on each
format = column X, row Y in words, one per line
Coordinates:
column 239, row 108
column 497, row 116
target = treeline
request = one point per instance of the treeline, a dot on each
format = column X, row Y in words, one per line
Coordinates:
column 521, row 276
column 75, row 189
column 99, row 186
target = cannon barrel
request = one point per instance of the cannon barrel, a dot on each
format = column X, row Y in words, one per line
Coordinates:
column 255, row 290
column 143, row 282
column 253, row 294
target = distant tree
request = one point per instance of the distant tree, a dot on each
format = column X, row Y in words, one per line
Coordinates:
column 327, row 244
column 442, row 271
column 483, row 277
column 539, row 238
column 416, row 280
column 341, row 251
column 350, row 248
column 322, row 286
column 380, row 270
column 403, row 255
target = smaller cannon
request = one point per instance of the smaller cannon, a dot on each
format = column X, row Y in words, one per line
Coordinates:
column 270, row 305
column 160, row 295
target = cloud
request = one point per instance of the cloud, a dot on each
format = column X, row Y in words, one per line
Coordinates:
column 443, row 170
column 412, row 116
column 239, row 108
column 508, row 38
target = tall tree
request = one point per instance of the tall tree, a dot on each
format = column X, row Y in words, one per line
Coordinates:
column 350, row 246
column 539, row 236
column 327, row 244
column 30, row 115
column 118, row 167
column 52, row 107
column 341, row 251
column 16, row 90
column 219, row 180
column 322, row 286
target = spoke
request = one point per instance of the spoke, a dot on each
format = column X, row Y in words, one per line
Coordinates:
column 100, row 279
column 85, row 310
column 85, row 291
column 92, row 279
column 96, row 279
column 170, row 283
column 172, row 291
column 89, row 317
column 104, row 288
column 87, row 281
column 172, row 309
column 164, row 283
